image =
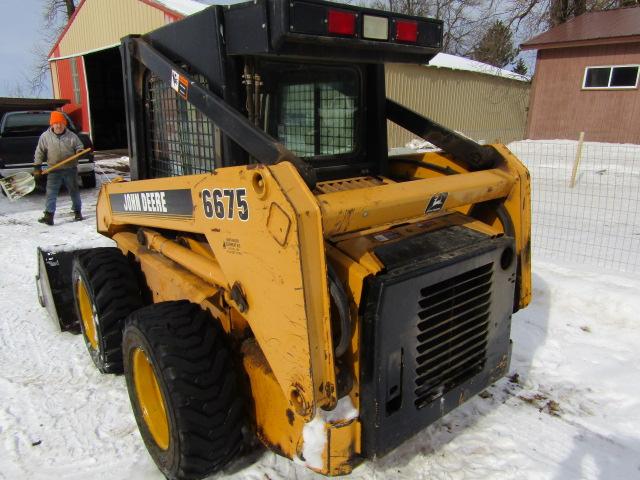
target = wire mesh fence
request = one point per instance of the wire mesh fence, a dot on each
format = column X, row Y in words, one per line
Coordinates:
column 585, row 201
column 585, row 198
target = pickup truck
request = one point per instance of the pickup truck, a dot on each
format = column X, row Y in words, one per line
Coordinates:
column 19, row 134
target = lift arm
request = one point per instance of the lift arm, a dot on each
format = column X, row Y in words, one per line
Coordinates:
column 256, row 142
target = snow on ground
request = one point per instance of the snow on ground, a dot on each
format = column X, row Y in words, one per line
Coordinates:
column 570, row 408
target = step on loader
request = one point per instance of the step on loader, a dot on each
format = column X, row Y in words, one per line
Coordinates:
column 277, row 273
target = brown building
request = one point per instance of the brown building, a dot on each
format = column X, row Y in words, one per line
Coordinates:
column 587, row 79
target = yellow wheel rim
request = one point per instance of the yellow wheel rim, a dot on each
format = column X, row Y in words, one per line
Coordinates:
column 150, row 399
column 87, row 314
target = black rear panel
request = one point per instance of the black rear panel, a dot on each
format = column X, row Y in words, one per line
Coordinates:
column 300, row 29
column 435, row 331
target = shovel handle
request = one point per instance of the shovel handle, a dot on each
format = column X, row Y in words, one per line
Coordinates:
column 66, row 160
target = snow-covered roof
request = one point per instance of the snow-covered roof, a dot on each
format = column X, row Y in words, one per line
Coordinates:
column 187, row 7
column 444, row 60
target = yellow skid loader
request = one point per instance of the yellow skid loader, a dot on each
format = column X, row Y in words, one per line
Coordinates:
column 277, row 272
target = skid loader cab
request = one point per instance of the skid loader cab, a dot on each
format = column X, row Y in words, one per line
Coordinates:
column 342, row 298
column 310, row 74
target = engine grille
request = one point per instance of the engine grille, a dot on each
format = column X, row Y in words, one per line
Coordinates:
column 435, row 330
column 453, row 325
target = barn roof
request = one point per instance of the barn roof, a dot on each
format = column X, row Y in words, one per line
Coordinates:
column 98, row 24
column 593, row 28
column 187, row 7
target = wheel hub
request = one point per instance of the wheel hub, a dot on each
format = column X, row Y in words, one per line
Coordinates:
column 150, row 398
column 87, row 314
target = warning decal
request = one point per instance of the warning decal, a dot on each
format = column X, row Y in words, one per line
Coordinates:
column 180, row 84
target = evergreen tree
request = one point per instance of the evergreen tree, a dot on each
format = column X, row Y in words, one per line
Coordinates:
column 496, row 46
column 520, row 67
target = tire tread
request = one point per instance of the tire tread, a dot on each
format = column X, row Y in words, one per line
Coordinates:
column 115, row 291
column 196, row 367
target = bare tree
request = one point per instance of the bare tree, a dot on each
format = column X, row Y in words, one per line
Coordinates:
column 466, row 22
column 408, row 7
column 460, row 17
column 539, row 15
column 15, row 89
column 463, row 20
column 55, row 15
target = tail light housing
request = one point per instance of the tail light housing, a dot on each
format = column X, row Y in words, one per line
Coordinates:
column 360, row 24
column 406, row 31
column 341, row 22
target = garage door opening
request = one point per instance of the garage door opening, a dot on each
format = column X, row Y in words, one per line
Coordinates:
column 106, row 99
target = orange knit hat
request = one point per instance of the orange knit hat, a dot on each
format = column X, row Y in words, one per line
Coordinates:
column 57, row 117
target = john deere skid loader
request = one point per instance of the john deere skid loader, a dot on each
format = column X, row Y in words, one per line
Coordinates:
column 277, row 273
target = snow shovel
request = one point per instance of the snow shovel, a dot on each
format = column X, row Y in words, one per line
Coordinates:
column 22, row 183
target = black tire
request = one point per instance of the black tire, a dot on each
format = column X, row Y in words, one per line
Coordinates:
column 193, row 370
column 113, row 292
column 88, row 180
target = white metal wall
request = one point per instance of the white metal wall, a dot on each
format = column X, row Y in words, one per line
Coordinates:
column 484, row 107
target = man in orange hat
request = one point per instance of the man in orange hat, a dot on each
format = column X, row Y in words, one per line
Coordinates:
column 56, row 144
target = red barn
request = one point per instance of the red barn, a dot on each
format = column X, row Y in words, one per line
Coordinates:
column 586, row 79
column 85, row 61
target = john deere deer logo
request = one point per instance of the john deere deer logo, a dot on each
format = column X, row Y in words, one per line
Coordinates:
column 437, row 202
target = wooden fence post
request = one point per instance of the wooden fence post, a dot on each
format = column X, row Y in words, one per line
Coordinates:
column 577, row 160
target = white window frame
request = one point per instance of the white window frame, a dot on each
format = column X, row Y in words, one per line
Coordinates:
column 610, row 67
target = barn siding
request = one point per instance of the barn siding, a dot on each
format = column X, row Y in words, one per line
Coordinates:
column 54, row 80
column 560, row 108
column 97, row 24
column 84, row 107
column 100, row 24
column 77, row 111
column 484, row 107
column 65, row 83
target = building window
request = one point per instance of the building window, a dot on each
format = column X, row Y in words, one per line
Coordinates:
column 76, row 81
column 618, row 76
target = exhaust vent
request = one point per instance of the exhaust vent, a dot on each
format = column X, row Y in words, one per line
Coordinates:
column 435, row 330
column 453, row 324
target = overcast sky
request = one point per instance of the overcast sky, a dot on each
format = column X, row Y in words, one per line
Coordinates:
column 20, row 27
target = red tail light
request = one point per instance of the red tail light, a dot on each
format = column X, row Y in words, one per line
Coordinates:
column 406, row 31
column 342, row 23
